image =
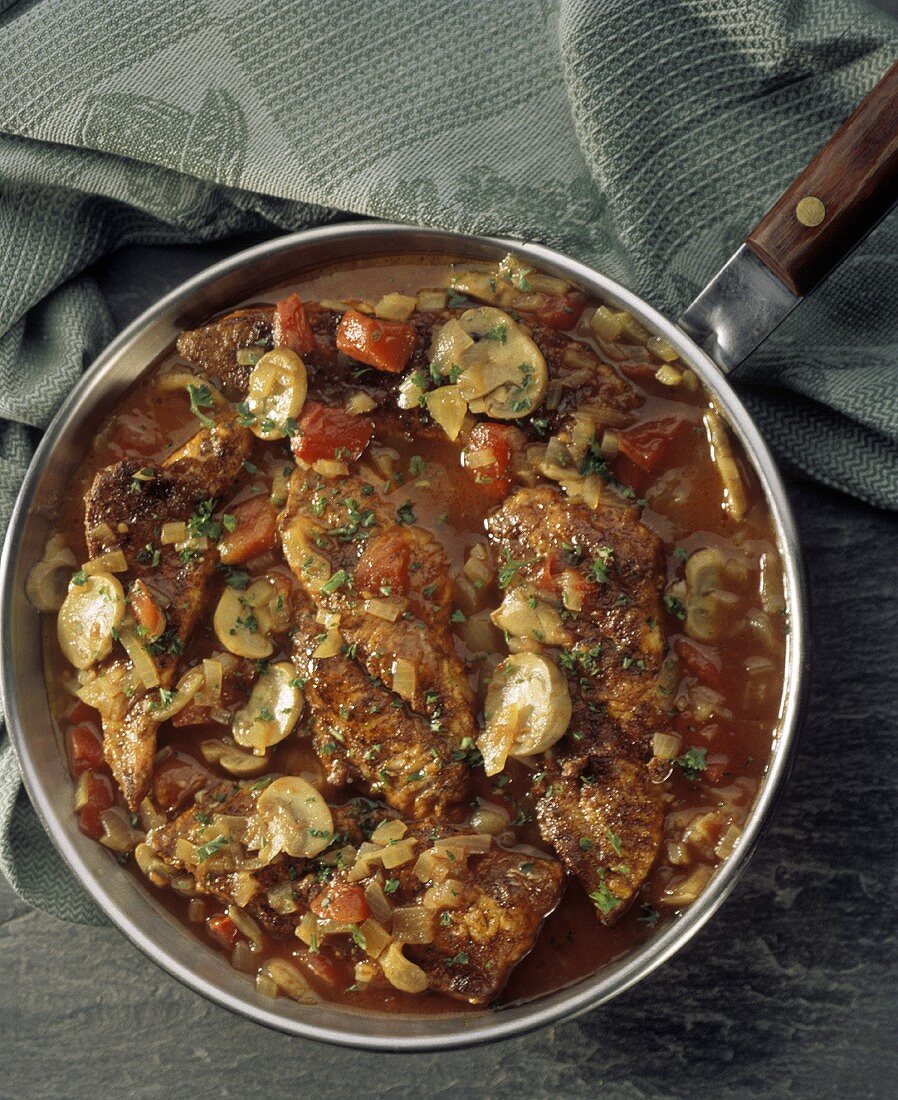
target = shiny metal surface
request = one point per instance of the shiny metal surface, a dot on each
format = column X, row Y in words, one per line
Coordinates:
column 738, row 309
column 139, row 916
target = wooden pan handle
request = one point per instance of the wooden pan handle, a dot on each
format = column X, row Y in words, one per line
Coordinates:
column 838, row 198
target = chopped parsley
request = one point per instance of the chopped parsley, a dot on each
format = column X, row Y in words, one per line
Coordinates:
column 510, row 567
column 603, row 899
column 604, row 559
column 693, row 762
column 339, row 578
column 211, row 848
column 391, row 885
column 460, row 959
column 405, row 513
column 615, row 841
column 80, row 577
column 201, row 398
column 675, row 607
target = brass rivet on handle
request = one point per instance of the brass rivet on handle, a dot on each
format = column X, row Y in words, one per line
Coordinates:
column 810, row 211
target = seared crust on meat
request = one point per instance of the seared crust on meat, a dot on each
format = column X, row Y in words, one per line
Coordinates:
column 406, row 749
column 213, row 347
column 498, row 900
column 126, row 513
column 598, row 806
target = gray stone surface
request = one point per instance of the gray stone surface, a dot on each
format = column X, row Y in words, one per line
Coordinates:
column 790, row 991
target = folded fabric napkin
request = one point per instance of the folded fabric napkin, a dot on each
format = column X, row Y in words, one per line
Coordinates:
column 642, row 138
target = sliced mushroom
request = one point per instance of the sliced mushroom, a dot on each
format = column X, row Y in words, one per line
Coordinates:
column 47, row 582
column 243, row 620
column 277, row 392
column 272, row 711
column 90, row 615
column 527, row 709
column 292, row 817
column 524, row 614
column 233, row 760
column 504, row 373
column 710, row 577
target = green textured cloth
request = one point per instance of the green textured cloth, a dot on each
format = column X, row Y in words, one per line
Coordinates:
column 642, row 137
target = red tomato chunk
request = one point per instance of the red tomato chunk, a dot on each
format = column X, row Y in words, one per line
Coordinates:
column 562, row 311
column 255, row 532
column 291, row 327
column 342, row 902
column 497, row 440
column 99, row 798
column 327, row 432
column 85, row 749
column 386, row 345
column 646, row 444
column 223, row 930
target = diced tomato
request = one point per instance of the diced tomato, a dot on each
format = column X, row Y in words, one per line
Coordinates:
column 343, row 902
column 325, row 431
column 386, row 345
column 175, row 780
column 562, row 311
column 81, row 712
column 85, row 749
column 325, row 967
column 714, row 772
column 223, row 930
column 698, row 661
column 99, row 798
column 646, row 444
column 255, row 532
column 493, row 479
column 291, row 328
column 146, row 611
column 385, row 563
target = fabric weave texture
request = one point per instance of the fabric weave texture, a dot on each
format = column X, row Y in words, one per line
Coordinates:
column 644, row 138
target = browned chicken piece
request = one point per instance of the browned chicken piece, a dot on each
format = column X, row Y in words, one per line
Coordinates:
column 598, row 805
column 492, row 902
column 394, row 710
column 587, row 379
column 353, row 823
column 213, row 348
column 125, row 508
column 503, row 898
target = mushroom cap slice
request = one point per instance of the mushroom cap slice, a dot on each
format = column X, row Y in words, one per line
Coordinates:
column 90, row 614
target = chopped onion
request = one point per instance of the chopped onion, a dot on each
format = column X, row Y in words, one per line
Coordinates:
column 389, row 831
column 389, row 608
column 735, row 500
column 431, row 299
column 196, row 911
column 463, row 844
column 185, row 885
column 378, row 903
column 151, row 865
column 175, row 531
column 213, row 675
column 143, row 663
column 686, row 890
column 410, row 395
column 400, row 853
column 243, row 959
column 113, row 561
column 187, row 688
column 265, row 985
column 117, row 832
column 248, row 926
column 610, row 444
column 328, row 467
column 413, row 924
column 290, row 981
column 773, row 598
column 606, row 324
column 572, row 590
column 728, row 841
column 330, row 646
column 447, row 406
column 400, row 972
column 376, row 937
column 668, row 375
column 395, row 307
column 405, row 678
column 476, row 567
column 445, row 895
column 660, row 347
column 677, row 854
column 359, row 402
column 666, row 746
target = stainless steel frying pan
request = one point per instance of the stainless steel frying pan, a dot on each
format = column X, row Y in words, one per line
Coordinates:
column 836, row 200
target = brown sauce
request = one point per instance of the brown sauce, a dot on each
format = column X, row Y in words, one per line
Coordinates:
column 683, row 505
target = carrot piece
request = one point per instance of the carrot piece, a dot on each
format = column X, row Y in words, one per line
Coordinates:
column 291, row 328
column 146, row 611
column 342, row 902
column 254, row 533
column 562, row 311
column 223, row 930
column 493, row 479
column 386, row 345
column 325, row 431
